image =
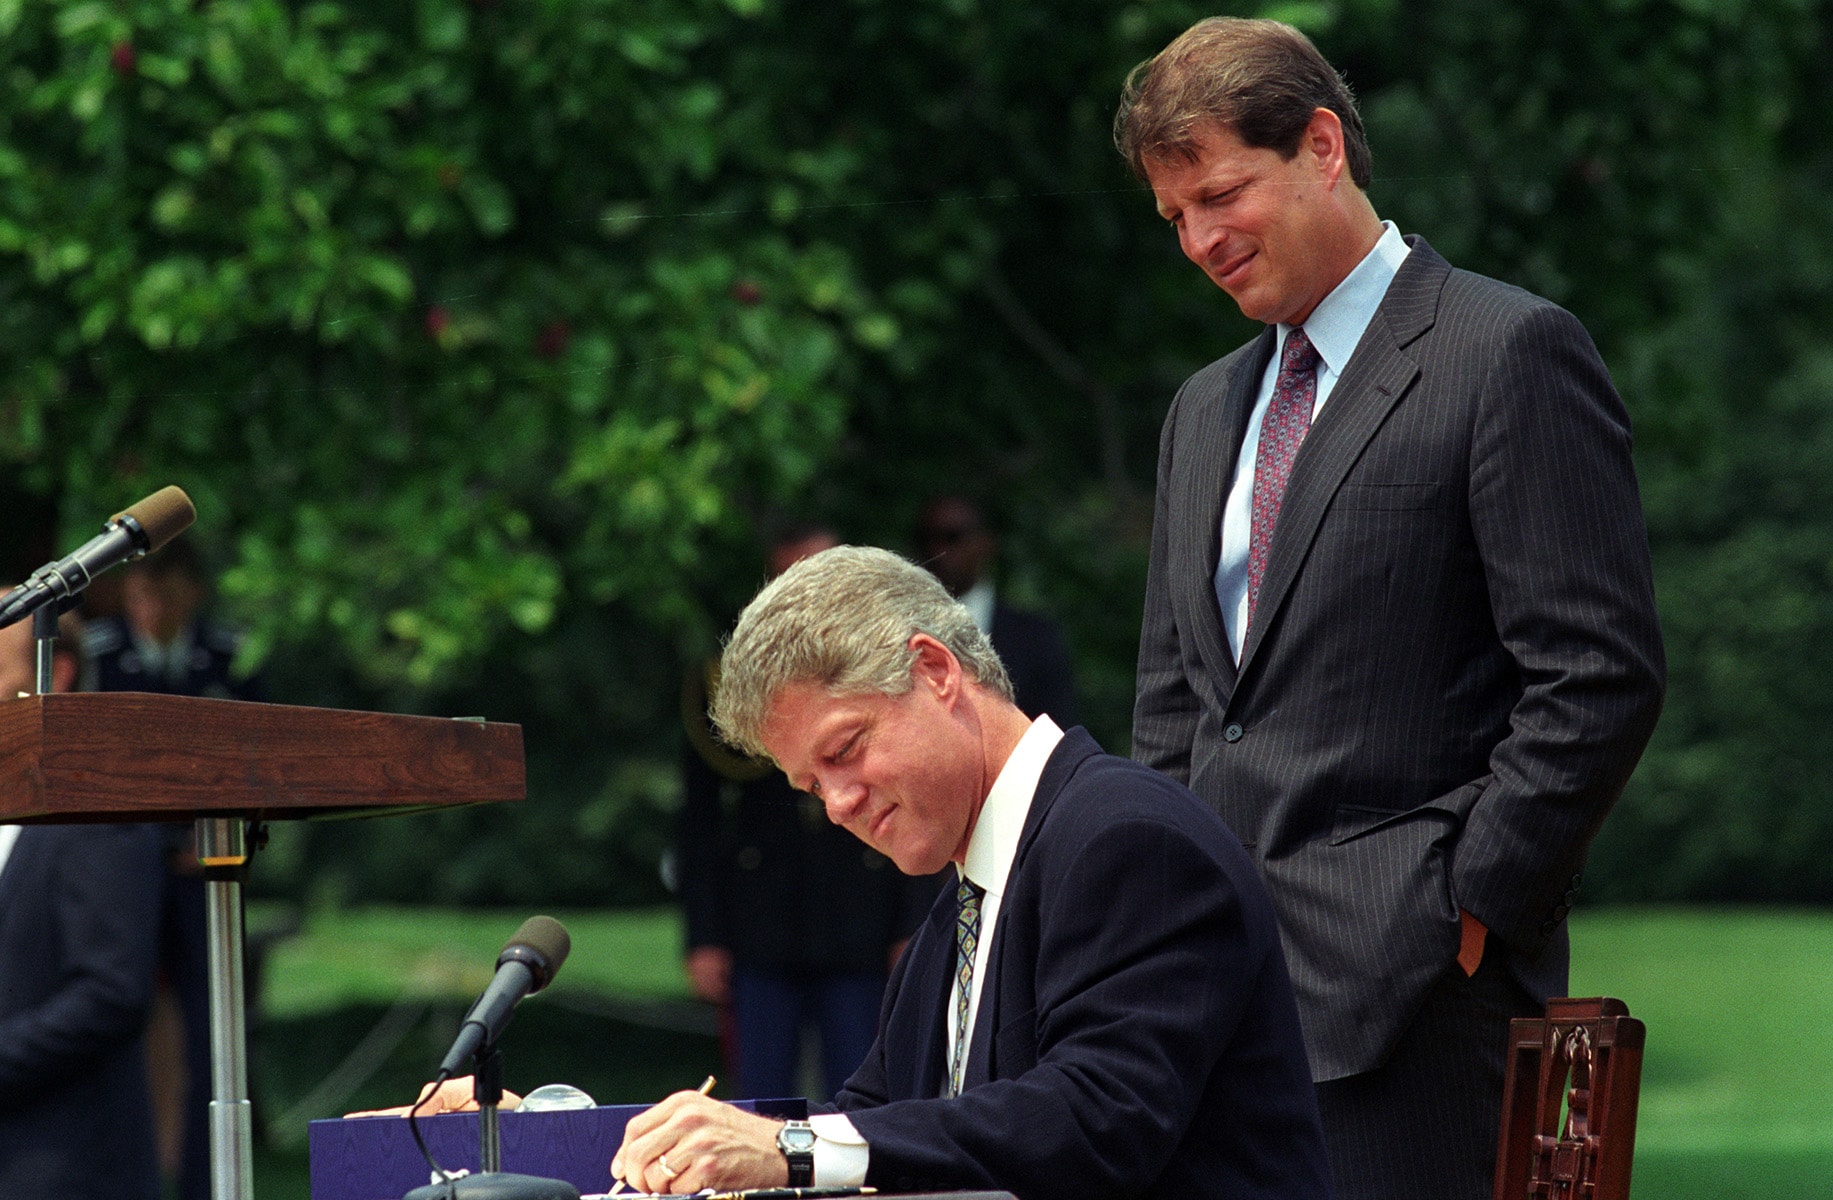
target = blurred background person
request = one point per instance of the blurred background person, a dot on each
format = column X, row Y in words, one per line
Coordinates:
column 79, row 918
column 792, row 924
column 958, row 546
column 165, row 639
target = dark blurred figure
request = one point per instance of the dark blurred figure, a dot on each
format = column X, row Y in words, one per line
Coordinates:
column 164, row 640
column 790, row 920
column 78, row 932
column 956, row 545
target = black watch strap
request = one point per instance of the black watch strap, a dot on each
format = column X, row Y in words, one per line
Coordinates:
column 797, row 1142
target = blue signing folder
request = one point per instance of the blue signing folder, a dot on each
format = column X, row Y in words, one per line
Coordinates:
column 374, row 1158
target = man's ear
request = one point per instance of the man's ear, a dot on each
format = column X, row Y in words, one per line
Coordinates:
column 1323, row 138
column 936, row 667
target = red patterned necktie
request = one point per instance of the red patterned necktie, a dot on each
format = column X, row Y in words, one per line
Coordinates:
column 1287, row 419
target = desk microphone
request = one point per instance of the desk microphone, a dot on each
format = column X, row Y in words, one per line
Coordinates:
column 527, row 964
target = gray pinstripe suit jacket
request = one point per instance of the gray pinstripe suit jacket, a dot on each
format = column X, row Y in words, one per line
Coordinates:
column 1455, row 661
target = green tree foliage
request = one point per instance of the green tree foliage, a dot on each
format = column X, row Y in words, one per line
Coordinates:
column 463, row 324
column 446, row 312
column 487, row 332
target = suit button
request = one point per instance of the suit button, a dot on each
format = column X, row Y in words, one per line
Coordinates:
column 1232, row 732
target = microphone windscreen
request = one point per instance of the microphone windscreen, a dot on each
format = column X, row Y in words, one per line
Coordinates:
column 542, row 944
column 163, row 515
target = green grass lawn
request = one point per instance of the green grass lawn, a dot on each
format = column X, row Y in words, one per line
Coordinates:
column 1736, row 1103
column 379, row 955
column 1737, row 1086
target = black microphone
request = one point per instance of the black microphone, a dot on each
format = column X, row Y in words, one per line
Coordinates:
column 140, row 529
column 527, row 964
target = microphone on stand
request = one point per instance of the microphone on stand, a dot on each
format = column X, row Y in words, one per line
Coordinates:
column 529, row 961
column 138, row 530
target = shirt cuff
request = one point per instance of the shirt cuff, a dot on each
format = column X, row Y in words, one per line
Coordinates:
column 841, row 1155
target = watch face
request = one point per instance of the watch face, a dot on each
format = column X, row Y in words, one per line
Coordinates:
column 797, row 1139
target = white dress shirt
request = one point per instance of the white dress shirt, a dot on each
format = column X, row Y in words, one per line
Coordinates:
column 841, row 1154
column 8, row 835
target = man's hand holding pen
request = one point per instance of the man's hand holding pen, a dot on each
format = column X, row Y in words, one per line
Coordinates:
column 691, row 1142
column 688, row 1143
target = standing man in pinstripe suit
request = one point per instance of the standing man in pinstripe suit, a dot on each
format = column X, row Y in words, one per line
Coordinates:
column 1399, row 625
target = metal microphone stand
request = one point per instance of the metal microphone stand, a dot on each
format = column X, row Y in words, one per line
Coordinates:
column 44, row 630
column 492, row 1182
column 487, row 1090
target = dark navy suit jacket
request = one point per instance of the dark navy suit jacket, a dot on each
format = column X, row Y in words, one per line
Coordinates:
column 79, row 922
column 1137, row 1035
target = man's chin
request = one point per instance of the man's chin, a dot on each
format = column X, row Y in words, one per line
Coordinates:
column 1253, row 306
column 916, row 862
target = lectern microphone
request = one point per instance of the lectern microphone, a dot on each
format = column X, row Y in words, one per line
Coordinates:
column 527, row 964
column 140, row 529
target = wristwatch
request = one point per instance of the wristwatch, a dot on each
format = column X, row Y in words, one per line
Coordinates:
column 796, row 1139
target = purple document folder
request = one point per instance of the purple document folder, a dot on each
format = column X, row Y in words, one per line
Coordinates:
column 374, row 1158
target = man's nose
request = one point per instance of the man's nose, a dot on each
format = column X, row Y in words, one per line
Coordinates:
column 1200, row 237
column 842, row 799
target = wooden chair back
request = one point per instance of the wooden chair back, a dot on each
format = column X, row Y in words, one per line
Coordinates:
column 1569, row 1104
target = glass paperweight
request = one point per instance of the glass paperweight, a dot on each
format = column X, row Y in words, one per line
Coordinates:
column 553, row 1097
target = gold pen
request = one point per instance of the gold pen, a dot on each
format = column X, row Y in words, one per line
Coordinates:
column 705, row 1089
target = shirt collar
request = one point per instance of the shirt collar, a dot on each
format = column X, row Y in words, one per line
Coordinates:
column 9, row 834
column 994, row 843
column 1336, row 325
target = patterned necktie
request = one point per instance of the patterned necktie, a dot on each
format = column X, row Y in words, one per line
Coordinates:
column 967, row 937
column 1287, row 419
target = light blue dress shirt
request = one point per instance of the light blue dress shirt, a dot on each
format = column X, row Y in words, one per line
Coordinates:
column 1334, row 327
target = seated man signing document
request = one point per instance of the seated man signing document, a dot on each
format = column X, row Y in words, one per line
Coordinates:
column 1099, row 1008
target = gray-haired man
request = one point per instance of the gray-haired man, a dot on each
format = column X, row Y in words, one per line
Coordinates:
column 1100, row 1008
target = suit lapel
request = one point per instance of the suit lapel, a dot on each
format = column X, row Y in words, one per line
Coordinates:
column 1218, row 425
column 927, row 981
column 16, row 890
column 1377, row 375
column 979, row 1067
column 1075, row 748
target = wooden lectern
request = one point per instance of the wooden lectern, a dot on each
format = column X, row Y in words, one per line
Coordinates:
column 129, row 756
